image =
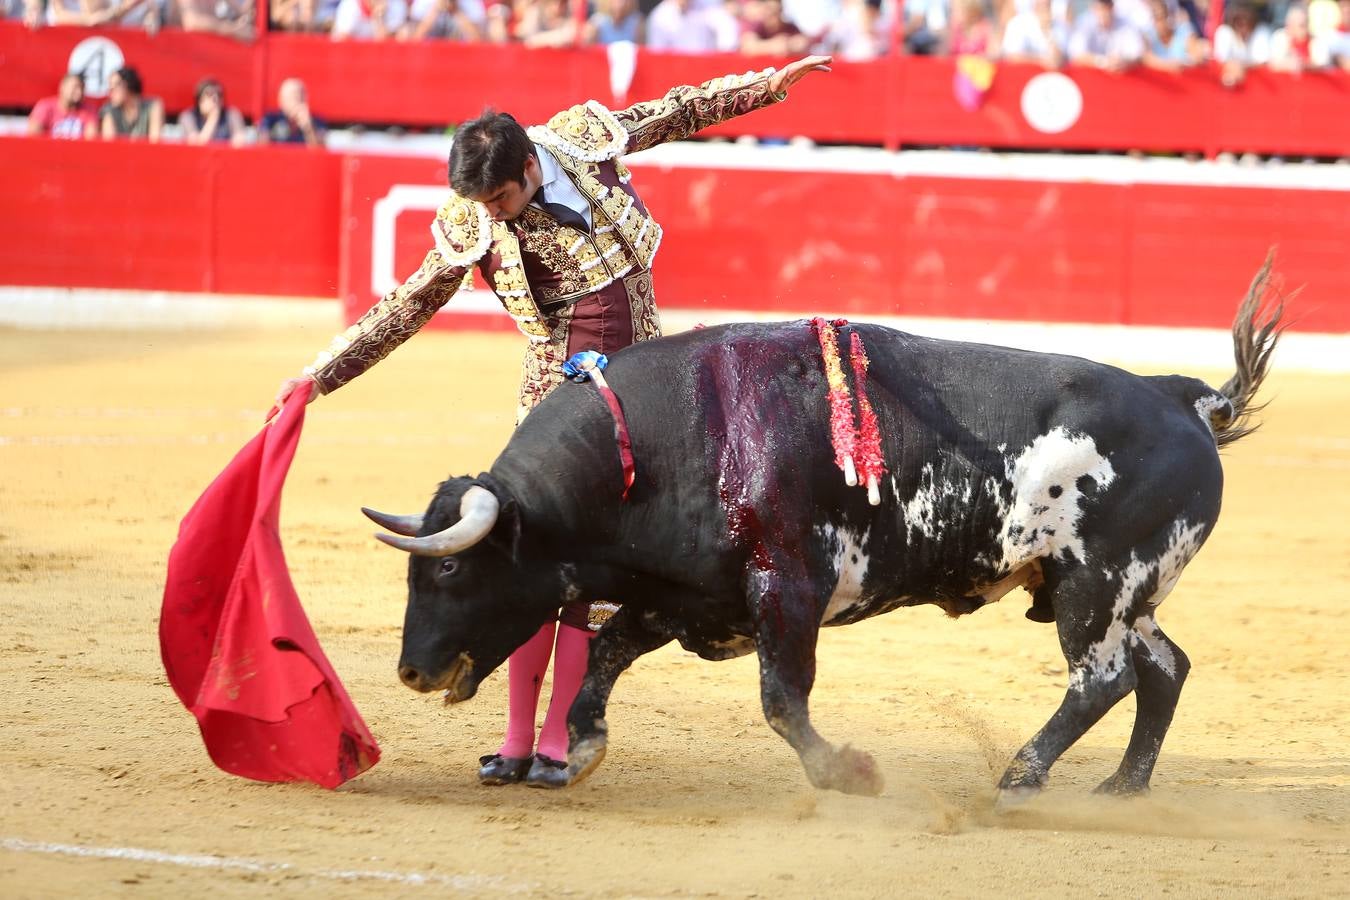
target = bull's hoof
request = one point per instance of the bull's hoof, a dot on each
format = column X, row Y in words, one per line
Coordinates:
column 1010, row 798
column 851, row 772
column 1018, row 785
column 584, row 758
column 1119, row 785
column 546, row 772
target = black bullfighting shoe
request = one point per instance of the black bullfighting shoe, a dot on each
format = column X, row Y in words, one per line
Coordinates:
column 498, row 769
column 547, row 772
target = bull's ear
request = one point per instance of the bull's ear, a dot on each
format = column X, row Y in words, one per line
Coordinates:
column 506, row 533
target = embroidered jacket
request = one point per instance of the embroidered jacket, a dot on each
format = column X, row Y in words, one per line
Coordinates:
column 535, row 265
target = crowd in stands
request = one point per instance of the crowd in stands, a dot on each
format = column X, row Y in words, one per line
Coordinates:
column 1115, row 34
column 130, row 115
column 1109, row 34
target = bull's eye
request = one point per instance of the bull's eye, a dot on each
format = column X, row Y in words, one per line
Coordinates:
column 449, row 566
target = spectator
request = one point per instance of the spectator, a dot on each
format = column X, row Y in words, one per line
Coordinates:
column 210, row 120
column 691, row 26
column 231, row 18
column 129, row 13
column 925, row 26
column 455, row 20
column 370, row 20
column 66, row 115
column 292, row 123
column 1102, row 40
column 857, row 33
column 547, row 23
column 1291, row 48
column 815, row 18
column 1334, row 43
column 615, row 21
column 498, row 21
column 1172, row 44
column 970, row 32
column 1243, row 38
column 291, row 15
column 129, row 114
column 765, row 32
column 1324, row 17
column 1035, row 35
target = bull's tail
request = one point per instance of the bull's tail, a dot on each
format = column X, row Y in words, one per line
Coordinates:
column 1256, row 331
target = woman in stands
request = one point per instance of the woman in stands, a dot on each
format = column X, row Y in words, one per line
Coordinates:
column 128, row 114
column 209, row 120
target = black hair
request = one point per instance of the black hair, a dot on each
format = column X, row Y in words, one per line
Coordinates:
column 202, row 87
column 132, row 79
column 487, row 153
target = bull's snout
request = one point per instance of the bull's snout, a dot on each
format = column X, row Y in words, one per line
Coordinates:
column 455, row 680
column 414, row 678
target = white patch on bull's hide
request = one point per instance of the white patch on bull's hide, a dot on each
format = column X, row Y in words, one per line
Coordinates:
column 850, row 561
column 1205, row 407
column 920, row 513
column 1149, row 635
column 1107, row 656
column 1042, row 520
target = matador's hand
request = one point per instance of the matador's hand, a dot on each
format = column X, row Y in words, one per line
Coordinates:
column 290, row 384
column 794, row 72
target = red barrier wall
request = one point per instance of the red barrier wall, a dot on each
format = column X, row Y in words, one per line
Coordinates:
column 259, row 220
column 900, row 100
column 285, row 221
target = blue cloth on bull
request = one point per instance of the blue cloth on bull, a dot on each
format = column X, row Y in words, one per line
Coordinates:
column 579, row 367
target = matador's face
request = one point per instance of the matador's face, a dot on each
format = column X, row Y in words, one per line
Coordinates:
column 506, row 202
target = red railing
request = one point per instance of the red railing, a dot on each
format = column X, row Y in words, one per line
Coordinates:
column 897, row 101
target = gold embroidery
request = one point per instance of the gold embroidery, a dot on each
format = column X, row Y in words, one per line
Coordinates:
column 395, row 318
column 461, row 230
column 642, row 304
column 541, row 370
column 586, row 132
column 687, row 109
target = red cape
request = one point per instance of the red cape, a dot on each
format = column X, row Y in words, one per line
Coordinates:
column 235, row 642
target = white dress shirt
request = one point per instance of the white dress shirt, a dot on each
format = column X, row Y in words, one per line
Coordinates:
column 558, row 188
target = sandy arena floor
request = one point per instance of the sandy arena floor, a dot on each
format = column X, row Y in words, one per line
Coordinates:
column 105, row 789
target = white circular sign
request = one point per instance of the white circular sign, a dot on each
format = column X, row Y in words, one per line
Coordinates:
column 1051, row 102
column 95, row 59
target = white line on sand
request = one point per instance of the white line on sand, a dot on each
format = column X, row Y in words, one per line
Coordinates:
column 495, row 883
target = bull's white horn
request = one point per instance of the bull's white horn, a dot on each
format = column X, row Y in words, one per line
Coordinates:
column 408, row 526
column 477, row 515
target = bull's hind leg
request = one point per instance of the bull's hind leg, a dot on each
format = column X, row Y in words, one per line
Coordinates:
column 624, row 638
column 1094, row 635
column 1161, row 668
column 787, row 625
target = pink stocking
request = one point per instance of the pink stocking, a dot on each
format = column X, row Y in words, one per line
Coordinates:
column 569, row 668
column 525, row 674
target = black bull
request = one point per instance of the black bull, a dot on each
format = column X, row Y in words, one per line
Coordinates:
column 1089, row 486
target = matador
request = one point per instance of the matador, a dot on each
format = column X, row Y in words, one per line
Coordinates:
column 549, row 217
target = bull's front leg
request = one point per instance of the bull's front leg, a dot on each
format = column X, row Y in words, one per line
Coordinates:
column 625, row 637
column 786, row 628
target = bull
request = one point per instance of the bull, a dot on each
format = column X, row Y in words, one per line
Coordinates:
column 1086, row 485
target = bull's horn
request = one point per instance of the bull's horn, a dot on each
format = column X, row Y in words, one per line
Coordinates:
column 408, row 526
column 477, row 515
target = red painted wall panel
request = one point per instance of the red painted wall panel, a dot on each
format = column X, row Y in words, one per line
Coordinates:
column 288, row 221
column 166, row 217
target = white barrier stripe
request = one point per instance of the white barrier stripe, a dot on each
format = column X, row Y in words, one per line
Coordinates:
column 197, row 861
